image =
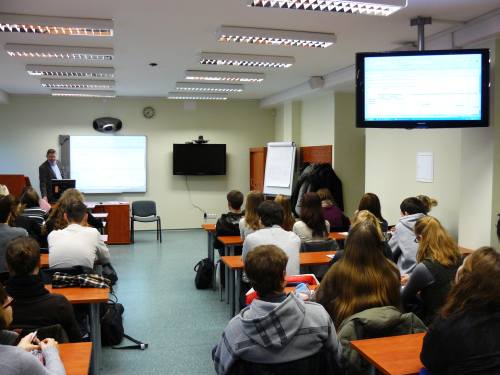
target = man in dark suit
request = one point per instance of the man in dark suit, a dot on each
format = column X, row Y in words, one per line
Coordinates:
column 49, row 170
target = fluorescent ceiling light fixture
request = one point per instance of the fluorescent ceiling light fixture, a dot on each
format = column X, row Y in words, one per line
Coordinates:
column 208, row 87
column 275, row 37
column 69, row 71
column 59, row 52
column 195, row 96
column 84, row 93
column 76, row 83
column 21, row 23
column 371, row 8
column 261, row 61
column 202, row 75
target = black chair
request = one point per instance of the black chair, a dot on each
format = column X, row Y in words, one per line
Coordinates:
column 321, row 363
column 145, row 212
column 320, row 245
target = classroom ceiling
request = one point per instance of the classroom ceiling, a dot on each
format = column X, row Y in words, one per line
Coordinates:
column 172, row 33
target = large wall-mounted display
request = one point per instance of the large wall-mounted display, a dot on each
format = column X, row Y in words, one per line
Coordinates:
column 423, row 89
column 199, row 159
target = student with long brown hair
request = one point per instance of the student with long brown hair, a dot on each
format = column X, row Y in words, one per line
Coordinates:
column 364, row 278
column 312, row 225
column 438, row 259
column 464, row 338
column 250, row 222
column 370, row 202
column 288, row 218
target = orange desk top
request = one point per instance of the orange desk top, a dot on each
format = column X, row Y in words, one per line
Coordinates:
column 337, row 236
column 208, row 227
column 81, row 295
column 76, row 357
column 395, row 355
column 306, row 259
column 230, row 240
column 465, row 250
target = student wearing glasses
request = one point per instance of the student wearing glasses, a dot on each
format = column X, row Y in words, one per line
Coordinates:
column 18, row 360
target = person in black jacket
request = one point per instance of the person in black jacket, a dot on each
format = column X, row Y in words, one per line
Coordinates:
column 34, row 306
column 228, row 224
column 464, row 338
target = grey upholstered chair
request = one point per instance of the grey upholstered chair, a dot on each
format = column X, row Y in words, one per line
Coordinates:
column 145, row 212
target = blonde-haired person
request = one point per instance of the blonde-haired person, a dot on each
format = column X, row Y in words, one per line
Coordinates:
column 428, row 202
column 438, row 259
column 56, row 220
column 250, row 222
column 288, row 218
column 464, row 336
column 360, row 217
column 332, row 213
column 4, row 190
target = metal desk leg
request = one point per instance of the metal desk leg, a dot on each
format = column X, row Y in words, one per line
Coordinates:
column 230, row 285
column 210, row 246
column 95, row 334
column 226, row 273
column 237, row 281
column 231, row 250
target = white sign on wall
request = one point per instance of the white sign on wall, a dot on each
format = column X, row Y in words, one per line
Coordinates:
column 425, row 167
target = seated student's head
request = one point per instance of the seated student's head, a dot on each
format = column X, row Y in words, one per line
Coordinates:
column 30, row 198
column 428, row 202
column 235, row 200
column 265, row 267
column 326, row 197
column 75, row 213
column 254, row 198
column 5, row 309
column 311, row 213
column 286, row 205
column 270, row 213
column 23, row 257
column 365, row 215
column 4, row 190
column 435, row 242
column 476, row 288
column 411, row 206
column 362, row 279
column 6, row 203
column 370, row 202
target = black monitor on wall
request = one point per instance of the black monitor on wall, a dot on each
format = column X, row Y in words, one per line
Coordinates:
column 199, row 159
column 422, row 89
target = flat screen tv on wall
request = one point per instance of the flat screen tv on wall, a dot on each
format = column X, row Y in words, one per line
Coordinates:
column 199, row 159
column 423, row 89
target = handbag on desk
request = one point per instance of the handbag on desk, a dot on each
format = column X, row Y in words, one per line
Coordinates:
column 109, row 273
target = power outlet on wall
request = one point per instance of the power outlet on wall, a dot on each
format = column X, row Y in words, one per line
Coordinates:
column 209, row 216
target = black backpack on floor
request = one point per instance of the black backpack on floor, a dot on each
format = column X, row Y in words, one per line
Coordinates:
column 204, row 272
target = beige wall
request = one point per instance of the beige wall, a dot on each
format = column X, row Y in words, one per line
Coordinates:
column 317, row 120
column 391, row 170
column 30, row 124
column 349, row 151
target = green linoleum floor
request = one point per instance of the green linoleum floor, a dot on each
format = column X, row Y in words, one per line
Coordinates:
column 163, row 308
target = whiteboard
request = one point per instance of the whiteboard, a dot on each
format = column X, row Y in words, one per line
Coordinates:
column 280, row 165
column 109, row 164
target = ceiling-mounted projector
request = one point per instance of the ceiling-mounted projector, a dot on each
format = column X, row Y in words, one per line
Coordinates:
column 107, row 124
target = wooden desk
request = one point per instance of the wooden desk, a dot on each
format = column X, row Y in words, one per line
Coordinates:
column 395, row 355
column 76, row 357
column 465, row 251
column 118, row 220
column 234, row 267
column 93, row 297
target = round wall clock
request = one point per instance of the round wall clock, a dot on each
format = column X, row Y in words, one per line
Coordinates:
column 148, row 112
